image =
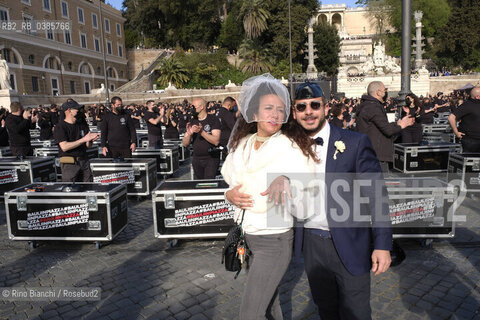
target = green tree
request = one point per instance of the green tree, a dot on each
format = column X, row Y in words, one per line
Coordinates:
column 232, row 32
column 256, row 57
column 435, row 16
column 144, row 21
column 172, row 70
column 255, row 17
column 282, row 69
column 457, row 44
column 327, row 43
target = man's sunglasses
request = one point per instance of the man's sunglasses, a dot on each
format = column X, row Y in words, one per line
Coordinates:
column 315, row 105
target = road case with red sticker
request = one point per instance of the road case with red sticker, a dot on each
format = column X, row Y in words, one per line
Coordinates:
column 64, row 211
column 191, row 209
column 16, row 172
column 140, row 175
column 422, row 207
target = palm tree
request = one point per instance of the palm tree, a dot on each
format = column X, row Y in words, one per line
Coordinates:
column 255, row 18
column 256, row 58
column 172, row 70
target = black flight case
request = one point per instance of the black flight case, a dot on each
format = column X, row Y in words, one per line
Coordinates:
column 16, row 172
column 140, row 175
column 423, row 157
column 465, row 167
column 167, row 158
column 191, row 209
column 64, row 211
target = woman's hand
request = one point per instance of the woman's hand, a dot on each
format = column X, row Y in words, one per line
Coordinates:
column 240, row 199
column 278, row 190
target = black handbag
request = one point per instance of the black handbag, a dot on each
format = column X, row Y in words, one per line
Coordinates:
column 233, row 247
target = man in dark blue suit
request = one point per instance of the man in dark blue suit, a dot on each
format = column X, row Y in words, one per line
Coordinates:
column 351, row 234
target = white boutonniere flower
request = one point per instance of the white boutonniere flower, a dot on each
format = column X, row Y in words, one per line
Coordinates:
column 340, row 146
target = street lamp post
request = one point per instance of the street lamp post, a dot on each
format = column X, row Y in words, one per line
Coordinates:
column 406, row 52
column 290, row 76
column 107, row 94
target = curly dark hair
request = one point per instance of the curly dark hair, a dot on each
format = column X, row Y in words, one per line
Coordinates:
column 291, row 129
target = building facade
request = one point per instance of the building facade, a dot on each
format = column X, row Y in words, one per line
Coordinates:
column 55, row 61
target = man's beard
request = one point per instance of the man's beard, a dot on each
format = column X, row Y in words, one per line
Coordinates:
column 320, row 126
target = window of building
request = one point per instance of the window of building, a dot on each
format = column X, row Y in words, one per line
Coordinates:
column 87, row 87
column 3, row 14
column 85, row 69
column 28, row 20
column 70, row 65
column 120, row 50
column 27, row 2
column 96, row 42
column 12, row 81
column 119, row 30
column 107, row 25
column 31, row 59
column 99, row 70
column 94, row 21
column 49, row 34
column 55, row 89
column 121, row 74
column 109, row 47
column 112, row 87
column 110, row 72
column 83, row 40
column 80, row 16
column 52, row 63
column 9, row 56
column 64, row 9
column 72, row 86
column 46, row 5
column 68, row 38
column 35, row 84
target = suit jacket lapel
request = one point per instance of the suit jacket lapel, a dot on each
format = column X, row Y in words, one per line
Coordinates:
column 335, row 135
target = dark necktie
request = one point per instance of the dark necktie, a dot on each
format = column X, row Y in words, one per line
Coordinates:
column 318, row 141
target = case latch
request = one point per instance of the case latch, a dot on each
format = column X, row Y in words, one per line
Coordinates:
column 136, row 170
column 92, row 203
column 169, row 201
column 476, row 165
column 439, row 197
column 22, row 203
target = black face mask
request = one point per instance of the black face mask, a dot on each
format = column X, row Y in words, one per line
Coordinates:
column 120, row 110
column 385, row 96
column 156, row 109
column 408, row 102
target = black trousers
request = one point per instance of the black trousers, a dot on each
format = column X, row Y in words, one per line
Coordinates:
column 412, row 134
column 22, row 151
column 155, row 141
column 337, row 293
column 78, row 172
column 470, row 144
column 116, row 152
column 205, row 168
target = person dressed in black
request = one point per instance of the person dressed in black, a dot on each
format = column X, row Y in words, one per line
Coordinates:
column 372, row 120
column 337, row 113
column 3, row 129
column 118, row 132
column 205, row 134
column 135, row 114
column 154, row 117
column 73, row 139
column 171, row 131
column 46, row 125
column 413, row 133
column 469, row 115
column 227, row 120
column 18, row 124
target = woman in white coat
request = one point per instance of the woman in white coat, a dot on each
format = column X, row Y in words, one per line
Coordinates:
column 264, row 147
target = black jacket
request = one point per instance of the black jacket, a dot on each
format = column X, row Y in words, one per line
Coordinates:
column 372, row 120
column 19, row 130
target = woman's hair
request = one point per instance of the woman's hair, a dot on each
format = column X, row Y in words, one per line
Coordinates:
column 291, row 129
column 416, row 100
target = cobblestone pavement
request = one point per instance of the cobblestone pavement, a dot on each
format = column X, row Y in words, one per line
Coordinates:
column 141, row 277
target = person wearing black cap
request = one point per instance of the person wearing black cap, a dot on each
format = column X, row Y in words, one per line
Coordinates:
column 18, row 124
column 119, row 136
column 339, row 250
column 372, row 120
column 73, row 139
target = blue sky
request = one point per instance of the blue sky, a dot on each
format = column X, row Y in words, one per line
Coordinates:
column 350, row 3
